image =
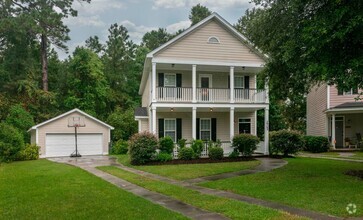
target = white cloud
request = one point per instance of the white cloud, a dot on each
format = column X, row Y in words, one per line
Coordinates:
column 136, row 32
column 177, row 26
column 211, row 4
column 169, row 4
column 97, row 6
column 93, row 20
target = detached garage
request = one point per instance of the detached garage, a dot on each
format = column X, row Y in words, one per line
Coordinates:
column 56, row 137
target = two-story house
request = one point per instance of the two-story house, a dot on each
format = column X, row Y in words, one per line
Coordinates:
column 202, row 85
column 335, row 114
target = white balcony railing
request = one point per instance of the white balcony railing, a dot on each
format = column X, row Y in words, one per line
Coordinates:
column 210, row 95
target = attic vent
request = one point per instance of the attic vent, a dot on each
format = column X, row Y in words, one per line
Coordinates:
column 213, row 40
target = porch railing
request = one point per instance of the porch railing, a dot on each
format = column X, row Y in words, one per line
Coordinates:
column 210, row 95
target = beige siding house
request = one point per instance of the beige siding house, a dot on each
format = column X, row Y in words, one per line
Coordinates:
column 56, row 137
column 202, row 85
column 336, row 115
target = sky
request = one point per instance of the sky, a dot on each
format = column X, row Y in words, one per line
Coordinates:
column 140, row 16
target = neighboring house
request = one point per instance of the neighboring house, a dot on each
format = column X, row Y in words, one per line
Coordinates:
column 56, row 137
column 202, row 85
column 335, row 114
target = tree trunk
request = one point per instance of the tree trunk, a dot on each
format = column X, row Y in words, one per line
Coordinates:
column 44, row 45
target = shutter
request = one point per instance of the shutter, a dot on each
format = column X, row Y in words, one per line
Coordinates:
column 198, row 129
column 161, row 79
column 161, row 127
column 214, row 129
column 247, row 82
column 178, row 84
column 178, row 129
column 229, row 82
column 178, row 80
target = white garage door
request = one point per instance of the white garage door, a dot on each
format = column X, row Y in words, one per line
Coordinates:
column 64, row 144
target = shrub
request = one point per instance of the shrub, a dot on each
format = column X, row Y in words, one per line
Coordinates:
column 20, row 119
column 29, row 152
column 234, row 154
column 285, row 142
column 215, row 153
column 316, row 144
column 186, row 153
column 142, row 147
column 182, row 143
column 166, row 145
column 197, row 146
column 11, row 143
column 119, row 147
column 245, row 144
column 217, row 143
column 163, row 157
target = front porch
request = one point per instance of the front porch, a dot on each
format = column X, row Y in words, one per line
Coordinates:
column 213, row 123
column 345, row 129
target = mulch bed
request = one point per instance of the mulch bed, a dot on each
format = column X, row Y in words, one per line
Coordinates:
column 201, row 160
column 355, row 173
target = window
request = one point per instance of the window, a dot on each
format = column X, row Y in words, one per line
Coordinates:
column 170, row 128
column 205, row 129
column 348, row 92
column 169, row 80
column 239, row 82
column 213, row 40
column 244, row 125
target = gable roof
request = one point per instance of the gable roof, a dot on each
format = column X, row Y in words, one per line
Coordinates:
column 218, row 18
column 67, row 113
column 221, row 20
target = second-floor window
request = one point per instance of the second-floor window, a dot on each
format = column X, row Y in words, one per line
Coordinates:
column 239, row 82
column 169, row 80
column 348, row 92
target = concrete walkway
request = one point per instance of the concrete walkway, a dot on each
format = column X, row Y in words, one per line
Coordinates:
column 90, row 163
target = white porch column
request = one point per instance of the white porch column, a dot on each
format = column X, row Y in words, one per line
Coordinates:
column 153, row 79
column 231, row 123
column 194, row 82
column 266, row 131
column 231, row 82
column 333, row 141
column 194, row 123
column 153, row 111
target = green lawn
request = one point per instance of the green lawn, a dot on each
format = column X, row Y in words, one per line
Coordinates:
column 358, row 155
column 315, row 184
column 46, row 190
column 191, row 171
column 227, row 207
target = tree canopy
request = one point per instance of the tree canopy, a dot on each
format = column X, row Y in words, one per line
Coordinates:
column 198, row 13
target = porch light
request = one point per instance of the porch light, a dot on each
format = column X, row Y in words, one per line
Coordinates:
column 243, row 68
column 171, row 109
column 211, row 109
column 172, row 65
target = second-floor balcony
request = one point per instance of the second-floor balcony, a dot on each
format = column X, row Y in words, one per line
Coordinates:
column 210, row 95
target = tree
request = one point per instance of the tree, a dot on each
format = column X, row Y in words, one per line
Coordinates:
column 155, row 38
column 124, row 124
column 87, row 85
column 93, row 43
column 198, row 13
column 44, row 19
column 309, row 42
column 21, row 119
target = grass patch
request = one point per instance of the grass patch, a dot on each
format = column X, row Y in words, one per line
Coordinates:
column 315, row 184
column 45, row 190
column 227, row 207
column 191, row 171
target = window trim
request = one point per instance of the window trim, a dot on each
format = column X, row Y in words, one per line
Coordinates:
column 245, row 123
column 170, row 74
column 345, row 93
column 210, row 128
column 243, row 84
column 213, row 37
column 170, row 119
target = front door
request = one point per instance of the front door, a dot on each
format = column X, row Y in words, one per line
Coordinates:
column 339, row 131
column 204, row 85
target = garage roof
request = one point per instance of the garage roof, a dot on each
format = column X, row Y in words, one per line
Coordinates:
column 70, row 112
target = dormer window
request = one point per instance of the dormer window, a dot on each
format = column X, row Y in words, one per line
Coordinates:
column 213, row 40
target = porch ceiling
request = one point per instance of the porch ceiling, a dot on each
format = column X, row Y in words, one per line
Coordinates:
column 206, row 68
column 203, row 109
